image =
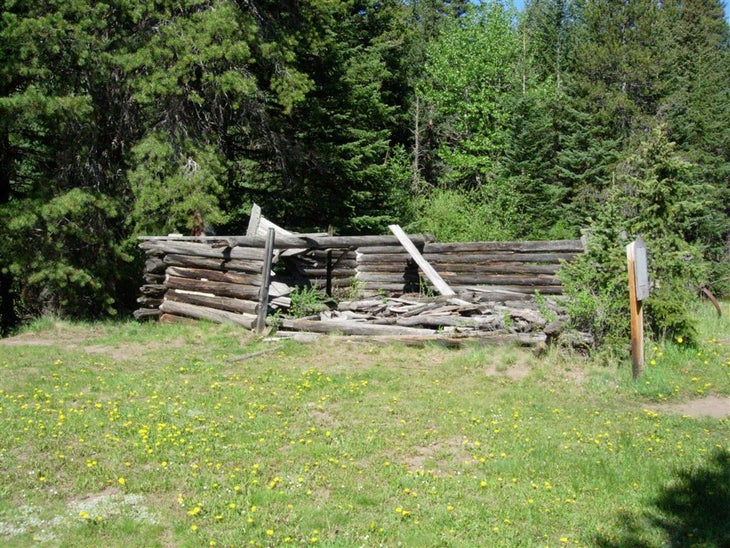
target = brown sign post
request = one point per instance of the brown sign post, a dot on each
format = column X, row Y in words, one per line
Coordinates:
column 638, row 292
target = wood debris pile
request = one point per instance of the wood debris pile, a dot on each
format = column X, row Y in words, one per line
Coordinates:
column 522, row 319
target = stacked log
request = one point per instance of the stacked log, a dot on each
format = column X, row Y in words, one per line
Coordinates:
column 387, row 269
column 329, row 270
column 153, row 290
column 202, row 280
column 517, row 267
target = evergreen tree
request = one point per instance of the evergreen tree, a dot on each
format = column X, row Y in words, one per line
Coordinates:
column 697, row 110
column 63, row 135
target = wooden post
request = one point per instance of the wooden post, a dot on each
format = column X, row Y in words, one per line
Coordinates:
column 328, row 289
column 265, row 280
column 638, row 291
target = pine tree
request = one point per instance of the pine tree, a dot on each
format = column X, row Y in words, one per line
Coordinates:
column 64, row 131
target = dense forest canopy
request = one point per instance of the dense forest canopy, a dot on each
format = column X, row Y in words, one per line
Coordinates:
column 470, row 121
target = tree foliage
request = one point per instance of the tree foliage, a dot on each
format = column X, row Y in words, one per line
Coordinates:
column 464, row 118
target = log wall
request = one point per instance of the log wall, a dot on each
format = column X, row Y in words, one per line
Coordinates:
column 185, row 277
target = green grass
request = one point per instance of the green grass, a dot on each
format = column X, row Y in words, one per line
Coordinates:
column 150, row 435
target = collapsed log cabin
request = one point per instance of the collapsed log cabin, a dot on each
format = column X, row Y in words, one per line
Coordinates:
column 467, row 289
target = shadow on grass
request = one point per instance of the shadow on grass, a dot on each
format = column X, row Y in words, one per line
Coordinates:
column 694, row 510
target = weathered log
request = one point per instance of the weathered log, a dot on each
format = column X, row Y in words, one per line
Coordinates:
column 436, row 321
column 497, row 268
column 387, row 267
column 322, row 272
column 385, row 249
column 388, row 258
column 350, row 327
column 154, row 265
column 489, row 258
column 388, row 277
column 222, row 289
column 210, row 314
column 370, row 288
column 203, row 249
column 214, row 275
column 513, row 291
column 149, row 302
column 172, row 318
column 323, row 242
column 151, row 279
column 153, row 289
column 575, row 246
column 500, row 279
column 230, row 304
column 192, row 261
column 364, row 305
column 144, row 314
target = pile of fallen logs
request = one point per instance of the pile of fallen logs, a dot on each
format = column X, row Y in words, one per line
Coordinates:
column 419, row 316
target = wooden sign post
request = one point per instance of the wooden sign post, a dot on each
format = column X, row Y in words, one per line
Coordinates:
column 638, row 292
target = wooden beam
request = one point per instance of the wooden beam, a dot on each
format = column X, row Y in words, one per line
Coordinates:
column 266, row 279
column 438, row 282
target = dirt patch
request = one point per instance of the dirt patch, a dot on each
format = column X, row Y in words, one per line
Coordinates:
column 31, row 339
column 438, row 458
column 717, row 407
column 116, row 353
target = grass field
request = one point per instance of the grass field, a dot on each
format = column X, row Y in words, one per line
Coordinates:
column 171, row 435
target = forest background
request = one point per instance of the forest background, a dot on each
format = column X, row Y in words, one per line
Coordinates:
column 469, row 121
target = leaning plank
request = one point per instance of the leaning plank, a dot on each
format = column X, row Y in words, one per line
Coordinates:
column 438, row 282
column 258, row 225
column 350, row 327
column 205, row 313
column 230, row 304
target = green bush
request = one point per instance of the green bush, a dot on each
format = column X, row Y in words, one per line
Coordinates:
column 653, row 196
